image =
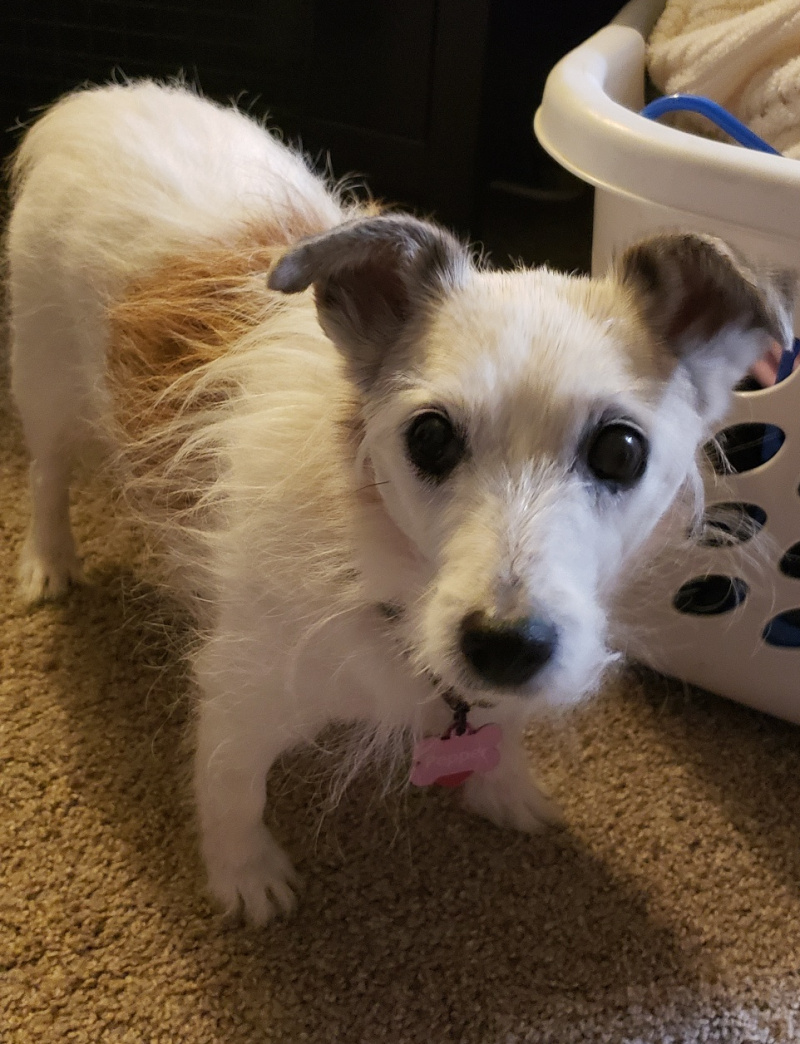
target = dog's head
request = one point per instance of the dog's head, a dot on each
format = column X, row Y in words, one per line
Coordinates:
column 526, row 430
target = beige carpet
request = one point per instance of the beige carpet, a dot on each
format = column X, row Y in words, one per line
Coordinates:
column 666, row 910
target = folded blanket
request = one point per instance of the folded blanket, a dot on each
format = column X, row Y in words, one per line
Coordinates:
column 744, row 54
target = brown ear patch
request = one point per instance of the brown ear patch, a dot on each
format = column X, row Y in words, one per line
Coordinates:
column 709, row 313
column 375, row 292
column 703, row 312
column 373, row 278
column 689, row 287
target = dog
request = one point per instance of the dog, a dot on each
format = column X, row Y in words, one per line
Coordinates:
column 394, row 486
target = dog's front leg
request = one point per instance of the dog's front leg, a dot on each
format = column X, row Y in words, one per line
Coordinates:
column 508, row 795
column 239, row 736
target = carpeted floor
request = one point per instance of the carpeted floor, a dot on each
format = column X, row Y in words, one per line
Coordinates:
column 668, row 909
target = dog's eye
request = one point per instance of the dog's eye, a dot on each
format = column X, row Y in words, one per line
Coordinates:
column 617, row 454
column 434, row 446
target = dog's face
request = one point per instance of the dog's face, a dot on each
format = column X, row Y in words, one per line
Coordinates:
column 527, row 430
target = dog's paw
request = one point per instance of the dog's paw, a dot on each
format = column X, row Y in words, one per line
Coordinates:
column 510, row 798
column 255, row 881
column 47, row 577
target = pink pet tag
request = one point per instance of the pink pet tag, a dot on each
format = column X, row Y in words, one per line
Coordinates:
column 450, row 759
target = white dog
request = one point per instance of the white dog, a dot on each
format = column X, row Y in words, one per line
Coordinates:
column 395, row 488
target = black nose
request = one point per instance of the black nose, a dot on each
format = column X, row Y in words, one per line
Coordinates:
column 507, row 652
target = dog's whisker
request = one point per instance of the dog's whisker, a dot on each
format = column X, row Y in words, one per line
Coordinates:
column 372, row 485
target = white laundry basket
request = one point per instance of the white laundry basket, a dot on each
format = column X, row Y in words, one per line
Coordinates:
column 648, row 177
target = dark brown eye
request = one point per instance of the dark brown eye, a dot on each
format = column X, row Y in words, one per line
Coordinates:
column 617, row 454
column 434, row 446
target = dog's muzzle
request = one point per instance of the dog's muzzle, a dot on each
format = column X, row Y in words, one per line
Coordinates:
column 507, row 653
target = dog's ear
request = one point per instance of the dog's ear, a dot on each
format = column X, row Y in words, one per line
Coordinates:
column 711, row 311
column 372, row 279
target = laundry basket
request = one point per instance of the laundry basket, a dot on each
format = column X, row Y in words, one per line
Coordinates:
column 727, row 615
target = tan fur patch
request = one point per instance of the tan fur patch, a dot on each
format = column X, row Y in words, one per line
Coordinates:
column 165, row 333
column 169, row 326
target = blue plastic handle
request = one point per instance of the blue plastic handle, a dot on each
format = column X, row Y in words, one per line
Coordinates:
column 712, row 111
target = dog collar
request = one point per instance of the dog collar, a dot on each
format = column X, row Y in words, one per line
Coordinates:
column 449, row 760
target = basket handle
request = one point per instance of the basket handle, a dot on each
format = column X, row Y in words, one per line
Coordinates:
column 720, row 117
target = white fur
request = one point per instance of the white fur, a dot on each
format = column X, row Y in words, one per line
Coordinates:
column 289, row 553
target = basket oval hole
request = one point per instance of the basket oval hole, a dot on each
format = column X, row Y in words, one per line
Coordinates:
column 710, row 595
column 731, row 522
column 789, row 565
column 749, row 383
column 784, row 630
column 742, row 447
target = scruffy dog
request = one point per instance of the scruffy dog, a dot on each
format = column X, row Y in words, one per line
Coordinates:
column 394, row 487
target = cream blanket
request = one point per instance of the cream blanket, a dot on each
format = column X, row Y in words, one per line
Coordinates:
column 744, row 54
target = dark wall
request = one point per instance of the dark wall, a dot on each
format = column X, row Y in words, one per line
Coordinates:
column 430, row 100
column 525, row 41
